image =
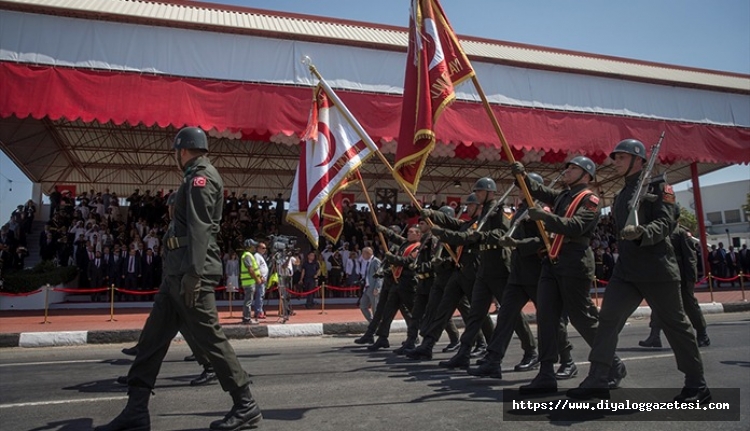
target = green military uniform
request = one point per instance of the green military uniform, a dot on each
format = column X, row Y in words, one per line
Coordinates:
column 660, row 285
column 491, row 278
column 456, row 291
column 192, row 262
column 388, row 282
column 687, row 261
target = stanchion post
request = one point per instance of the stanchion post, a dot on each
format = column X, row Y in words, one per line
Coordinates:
column 46, row 303
column 742, row 286
column 323, row 299
column 711, row 286
column 231, row 294
column 112, row 303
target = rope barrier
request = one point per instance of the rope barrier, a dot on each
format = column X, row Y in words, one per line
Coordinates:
column 343, row 289
column 305, row 293
column 137, row 292
column 76, row 290
column 20, row 294
column 602, row 283
column 736, row 277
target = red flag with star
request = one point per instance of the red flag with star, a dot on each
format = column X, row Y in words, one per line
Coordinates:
column 435, row 63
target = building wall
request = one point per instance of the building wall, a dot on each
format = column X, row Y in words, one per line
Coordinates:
column 726, row 221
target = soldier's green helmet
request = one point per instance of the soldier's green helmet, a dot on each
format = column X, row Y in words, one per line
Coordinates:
column 533, row 176
column 448, row 210
column 584, row 163
column 471, row 199
column 487, row 184
column 191, row 138
column 630, row 146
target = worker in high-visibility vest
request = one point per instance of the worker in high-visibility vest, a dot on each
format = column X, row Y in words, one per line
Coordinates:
column 250, row 278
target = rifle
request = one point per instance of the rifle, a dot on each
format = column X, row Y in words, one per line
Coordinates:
column 492, row 209
column 643, row 180
column 525, row 214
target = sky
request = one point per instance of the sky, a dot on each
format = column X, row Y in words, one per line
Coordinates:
column 706, row 34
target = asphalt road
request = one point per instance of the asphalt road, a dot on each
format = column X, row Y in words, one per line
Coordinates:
column 329, row 383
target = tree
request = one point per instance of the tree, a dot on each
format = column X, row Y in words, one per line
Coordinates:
column 688, row 220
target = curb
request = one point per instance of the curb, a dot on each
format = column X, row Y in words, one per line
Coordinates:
column 76, row 338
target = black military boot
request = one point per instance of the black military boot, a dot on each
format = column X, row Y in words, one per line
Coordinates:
column 617, row 372
column 381, row 343
column 691, row 395
column 405, row 346
column 595, row 385
column 367, row 338
column 207, row 376
column 702, row 339
column 244, row 414
column 529, row 362
column 130, row 351
column 490, row 367
column 479, row 349
column 423, row 352
column 543, row 383
column 460, row 360
column 134, row 417
column 452, row 346
column 653, row 340
column 567, row 368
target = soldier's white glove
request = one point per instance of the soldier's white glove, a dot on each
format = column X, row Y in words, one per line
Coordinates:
column 632, row 233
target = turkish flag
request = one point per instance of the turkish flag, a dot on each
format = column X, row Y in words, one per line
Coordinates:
column 435, row 63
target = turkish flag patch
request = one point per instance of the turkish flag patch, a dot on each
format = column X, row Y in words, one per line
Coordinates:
column 669, row 194
column 592, row 203
column 199, row 182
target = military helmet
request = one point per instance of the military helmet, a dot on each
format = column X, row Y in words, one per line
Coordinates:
column 191, row 138
column 395, row 228
column 584, row 163
column 250, row 243
column 533, row 176
column 471, row 199
column 448, row 210
column 630, row 146
column 485, row 183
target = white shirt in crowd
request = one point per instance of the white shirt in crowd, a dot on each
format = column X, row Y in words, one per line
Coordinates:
column 262, row 265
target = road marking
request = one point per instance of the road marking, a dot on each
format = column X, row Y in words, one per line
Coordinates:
column 18, row 364
column 50, row 403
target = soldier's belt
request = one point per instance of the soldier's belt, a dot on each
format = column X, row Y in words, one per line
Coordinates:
column 580, row 240
column 424, row 275
column 484, row 247
column 175, row 242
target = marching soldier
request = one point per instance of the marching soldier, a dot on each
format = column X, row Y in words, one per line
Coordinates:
column 687, row 260
column 392, row 234
column 192, row 270
column 401, row 295
column 459, row 285
column 525, row 267
column 645, row 245
column 568, row 269
column 492, row 273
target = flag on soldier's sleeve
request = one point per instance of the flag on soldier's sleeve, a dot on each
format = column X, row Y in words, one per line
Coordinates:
column 435, row 63
column 331, row 150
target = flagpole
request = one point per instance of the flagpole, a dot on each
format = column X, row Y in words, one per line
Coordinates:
column 367, row 139
column 372, row 209
column 511, row 159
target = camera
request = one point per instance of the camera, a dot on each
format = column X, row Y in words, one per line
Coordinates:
column 282, row 244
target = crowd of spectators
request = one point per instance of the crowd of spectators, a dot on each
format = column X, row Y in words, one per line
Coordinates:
column 118, row 246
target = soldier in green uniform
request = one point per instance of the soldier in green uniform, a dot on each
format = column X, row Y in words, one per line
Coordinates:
column 392, row 235
column 687, row 260
column 645, row 245
column 568, row 269
column 459, row 286
column 492, row 273
column 525, row 267
column 186, row 298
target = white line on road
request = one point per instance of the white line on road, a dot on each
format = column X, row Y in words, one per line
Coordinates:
column 50, row 403
column 18, row 364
